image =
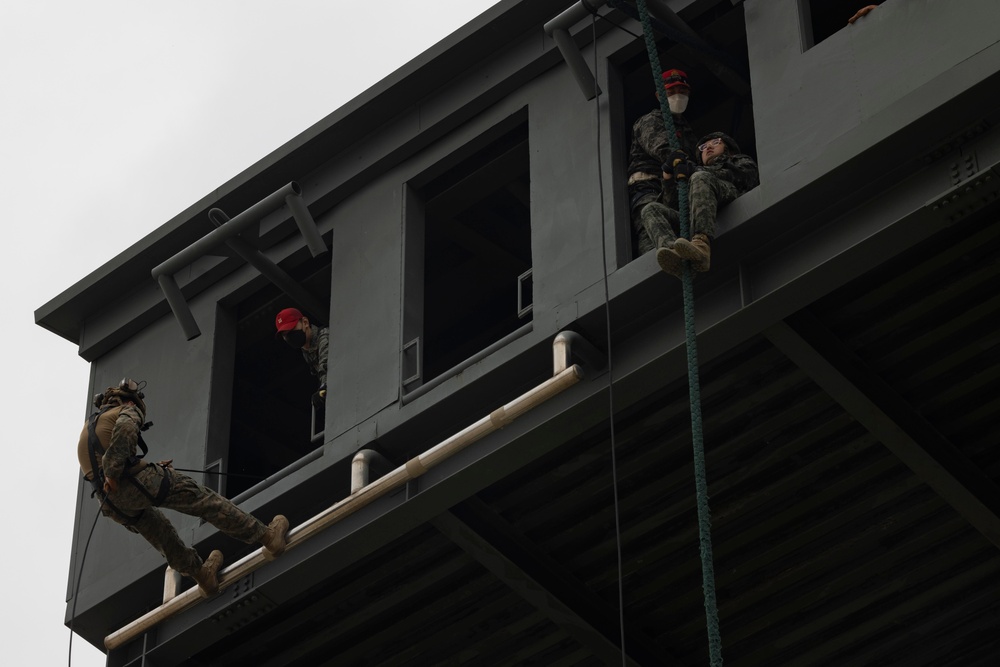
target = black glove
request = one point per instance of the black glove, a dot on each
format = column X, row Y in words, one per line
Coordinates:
column 676, row 156
column 683, row 169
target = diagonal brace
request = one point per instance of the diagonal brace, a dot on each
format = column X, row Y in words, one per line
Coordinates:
column 891, row 419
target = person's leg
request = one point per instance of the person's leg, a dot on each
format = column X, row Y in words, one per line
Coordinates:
column 641, row 194
column 658, row 222
column 189, row 497
column 156, row 529
column 706, row 193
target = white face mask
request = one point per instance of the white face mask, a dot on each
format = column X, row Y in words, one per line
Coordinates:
column 677, row 103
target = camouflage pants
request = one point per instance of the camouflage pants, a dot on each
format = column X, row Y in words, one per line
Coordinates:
column 653, row 221
column 706, row 193
column 188, row 497
column 656, row 227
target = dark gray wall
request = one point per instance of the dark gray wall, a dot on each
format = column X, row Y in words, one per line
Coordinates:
column 818, row 109
column 815, row 113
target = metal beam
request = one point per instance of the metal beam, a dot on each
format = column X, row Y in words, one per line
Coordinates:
column 890, row 418
column 290, row 195
column 502, row 550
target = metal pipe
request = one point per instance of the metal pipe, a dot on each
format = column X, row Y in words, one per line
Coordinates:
column 305, row 223
column 558, row 30
column 270, row 270
column 209, row 241
column 569, row 344
column 175, row 299
column 171, row 584
column 412, row 469
column 290, row 195
column 361, row 467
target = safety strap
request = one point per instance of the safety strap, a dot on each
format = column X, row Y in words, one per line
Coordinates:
column 96, row 451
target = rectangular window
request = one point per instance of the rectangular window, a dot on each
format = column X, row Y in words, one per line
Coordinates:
column 467, row 257
column 271, row 417
column 822, row 18
column 720, row 100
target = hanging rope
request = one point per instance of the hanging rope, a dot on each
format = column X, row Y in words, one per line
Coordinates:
column 611, row 364
column 694, row 389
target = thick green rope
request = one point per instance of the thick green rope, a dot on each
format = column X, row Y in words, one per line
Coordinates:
column 694, row 388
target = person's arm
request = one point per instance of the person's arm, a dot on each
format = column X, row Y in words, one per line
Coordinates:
column 740, row 170
column 745, row 174
column 322, row 349
column 652, row 137
column 124, row 436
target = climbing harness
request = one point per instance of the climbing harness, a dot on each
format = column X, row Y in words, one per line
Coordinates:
column 135, row 465
column 694, row 389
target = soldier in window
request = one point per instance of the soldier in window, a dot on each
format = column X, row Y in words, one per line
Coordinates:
column 650, row 150
column 723, row 175
column 295, row 329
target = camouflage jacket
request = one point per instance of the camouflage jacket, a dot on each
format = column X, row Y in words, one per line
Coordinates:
column 651, row 142
column 316, row 355
column 123, row 441
column 738, row 169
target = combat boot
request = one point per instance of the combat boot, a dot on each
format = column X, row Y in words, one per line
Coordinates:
column 698, row 251
column 275, row 539
column 208, row 576
column 669, row 262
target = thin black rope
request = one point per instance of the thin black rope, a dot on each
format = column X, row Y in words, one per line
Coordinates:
column 79, row 574
column 613, row 5
column 694, row 388
column 611, row 367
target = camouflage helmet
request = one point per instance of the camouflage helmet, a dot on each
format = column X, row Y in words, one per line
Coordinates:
column 127, row 391
column 731, row 144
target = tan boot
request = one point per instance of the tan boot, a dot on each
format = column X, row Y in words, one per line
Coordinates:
column 274, row 539
column 208, row 576
column 669, row 262
column 698, row 251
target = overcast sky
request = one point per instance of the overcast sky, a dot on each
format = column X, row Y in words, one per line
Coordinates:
column 117, row 115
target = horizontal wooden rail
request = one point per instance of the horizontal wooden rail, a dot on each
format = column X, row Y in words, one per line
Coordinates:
column 415, row 467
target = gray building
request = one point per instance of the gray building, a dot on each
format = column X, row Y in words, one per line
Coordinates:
column 464, row 233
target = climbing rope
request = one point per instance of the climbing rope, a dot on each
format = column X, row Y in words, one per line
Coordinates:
column 694, row 389
column 611, row 364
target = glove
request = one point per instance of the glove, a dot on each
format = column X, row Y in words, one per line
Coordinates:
column 675, row 157
column 683, row 169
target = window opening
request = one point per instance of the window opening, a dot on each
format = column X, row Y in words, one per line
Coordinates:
column 468, row 252
column 272, row 420
column 822, row 18
column 715, row 105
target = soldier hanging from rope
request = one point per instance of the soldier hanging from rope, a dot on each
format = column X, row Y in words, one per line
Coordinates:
column 131, row 489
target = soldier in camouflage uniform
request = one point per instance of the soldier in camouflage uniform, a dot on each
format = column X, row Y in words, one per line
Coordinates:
column 652, row 193
column 724, row 174
column 131, row 490
column 294, row 328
